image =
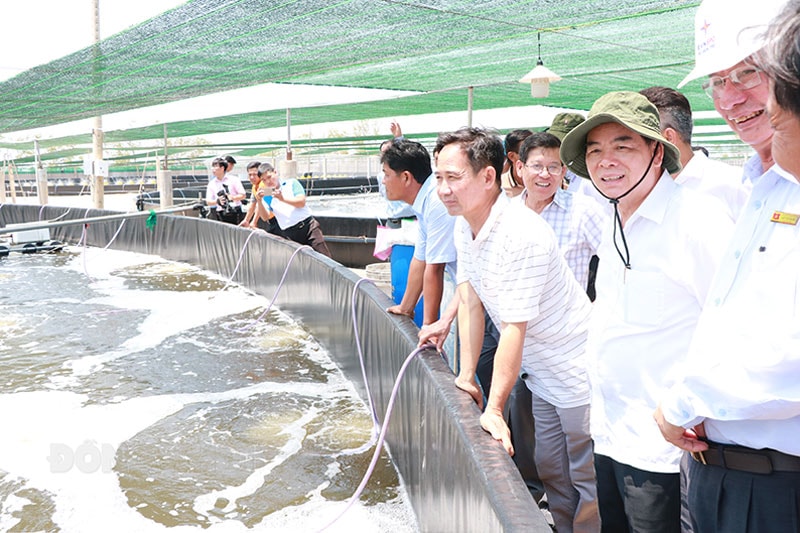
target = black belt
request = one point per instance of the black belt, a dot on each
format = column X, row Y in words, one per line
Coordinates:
column 301, row 224
column 744, row 459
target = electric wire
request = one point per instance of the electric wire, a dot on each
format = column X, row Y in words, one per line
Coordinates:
column 274, row 296
column 382, row 436
column 238, row 263
column 115, row 234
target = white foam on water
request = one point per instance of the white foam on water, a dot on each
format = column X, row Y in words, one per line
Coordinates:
column 39, row 424
column 167, row 316
column 318, row 513
column 206, row 503
column 169, row 312
column 90, row 501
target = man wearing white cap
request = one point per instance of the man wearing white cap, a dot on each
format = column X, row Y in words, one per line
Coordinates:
column 736, row 404
column 726, row 36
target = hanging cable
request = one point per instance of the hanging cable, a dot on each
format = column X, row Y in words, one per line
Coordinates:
column 62, row 215
column 238, row 263
column 274, row 296
column 115, row 235
column 379, row 445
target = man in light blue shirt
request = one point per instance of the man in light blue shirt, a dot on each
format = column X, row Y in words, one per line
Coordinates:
column 408, row 177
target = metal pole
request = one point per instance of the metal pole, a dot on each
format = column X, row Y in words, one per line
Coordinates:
column 288, row 134
column 90, row 220
column 12, row 182
column 166, row 163
column 97, row 131
column 288, row 167
column 41, row 179
column 470, row 93
column 3, row 182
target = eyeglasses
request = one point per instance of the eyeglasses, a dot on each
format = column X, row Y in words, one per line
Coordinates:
column 742, row 78
column 551, row 169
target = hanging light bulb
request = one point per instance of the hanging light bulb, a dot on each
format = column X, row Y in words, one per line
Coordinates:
column 540, row 77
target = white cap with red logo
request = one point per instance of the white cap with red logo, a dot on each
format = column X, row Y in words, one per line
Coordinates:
column 727, row 32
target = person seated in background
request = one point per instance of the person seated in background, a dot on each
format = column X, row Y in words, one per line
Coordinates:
column 224, row 193
column 510, row 178
column 289, row 205
column 700, row 173
column 408, row 177
column 259, row 218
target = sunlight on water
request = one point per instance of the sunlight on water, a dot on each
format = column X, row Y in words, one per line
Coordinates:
column 133, row 401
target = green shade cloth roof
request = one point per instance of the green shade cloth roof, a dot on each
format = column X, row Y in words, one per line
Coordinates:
column 441, row 46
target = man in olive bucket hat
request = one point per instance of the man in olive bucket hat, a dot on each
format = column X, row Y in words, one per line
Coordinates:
column 656, row 263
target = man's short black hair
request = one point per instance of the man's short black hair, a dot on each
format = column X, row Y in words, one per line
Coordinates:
column 483, row 148
column 674, row 110
column 514, row 138
column 253, row 164
column 540, row 139
column 404, row 155
column 264, row 168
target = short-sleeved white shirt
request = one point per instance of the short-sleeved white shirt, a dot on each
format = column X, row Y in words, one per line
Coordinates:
column 287, row 214
column 519, row 274
column 229, row 181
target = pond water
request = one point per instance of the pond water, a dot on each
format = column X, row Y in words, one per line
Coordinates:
column 139, row 396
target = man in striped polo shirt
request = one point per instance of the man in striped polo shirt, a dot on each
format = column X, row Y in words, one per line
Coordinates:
column 510, row 264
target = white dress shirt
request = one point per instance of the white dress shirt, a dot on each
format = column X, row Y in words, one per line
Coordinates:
column 743, row 376
column 644, row 318
column 717, row 179
column 434, row 244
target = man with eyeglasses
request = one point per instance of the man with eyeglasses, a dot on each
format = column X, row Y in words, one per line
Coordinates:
column 726, row 38
column 576, row 219
column 656, row 263
column 734, row 405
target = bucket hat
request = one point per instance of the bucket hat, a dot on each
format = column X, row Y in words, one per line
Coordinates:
column 630, row 109
column 726, row 33
column 563, row 123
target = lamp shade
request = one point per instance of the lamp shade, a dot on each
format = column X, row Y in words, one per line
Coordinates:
column 540, row 78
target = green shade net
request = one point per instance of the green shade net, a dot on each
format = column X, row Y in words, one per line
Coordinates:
column 437, row 48
column 207, row 46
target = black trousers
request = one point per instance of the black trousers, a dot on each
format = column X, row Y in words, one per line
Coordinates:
column 270, row 226
column 727, row 500
column 636, row 500
column 308, row 232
